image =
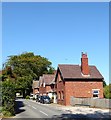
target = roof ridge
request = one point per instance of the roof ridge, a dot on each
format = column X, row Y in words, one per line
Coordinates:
column 75, row 64
column 68, row 64
column 74, row 71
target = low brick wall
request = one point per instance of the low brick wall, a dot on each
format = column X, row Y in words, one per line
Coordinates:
column 91, row 102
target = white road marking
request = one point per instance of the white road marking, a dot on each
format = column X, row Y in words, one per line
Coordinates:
column 28, row 105
column 34, row 107
column 44, row 113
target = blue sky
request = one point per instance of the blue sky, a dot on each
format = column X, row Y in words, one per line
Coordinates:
column 58, row 31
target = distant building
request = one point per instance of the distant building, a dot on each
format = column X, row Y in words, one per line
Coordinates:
column 45, row 86
column 35, row 87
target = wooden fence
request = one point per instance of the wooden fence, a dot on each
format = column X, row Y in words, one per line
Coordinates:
column 91, row 102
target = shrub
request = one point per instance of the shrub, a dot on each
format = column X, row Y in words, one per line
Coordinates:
column 27, row 97
column 6, row 113
column 8, row 97
column 107, row 92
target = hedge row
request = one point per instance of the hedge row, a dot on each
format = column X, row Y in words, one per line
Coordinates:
column 8, row 97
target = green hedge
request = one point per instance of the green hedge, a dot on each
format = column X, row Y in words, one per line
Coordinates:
column 8, row 97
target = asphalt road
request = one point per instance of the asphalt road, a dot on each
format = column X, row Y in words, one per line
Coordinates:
column 31, row 109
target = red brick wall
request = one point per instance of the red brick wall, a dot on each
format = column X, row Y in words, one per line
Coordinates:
column 48, row 88
column 60, row 88
column 42, row 90
column 82, row 89
column 77, row 89
column 35, row 91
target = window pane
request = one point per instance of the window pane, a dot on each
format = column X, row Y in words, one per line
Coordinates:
column 95, row 91
column 95, row 95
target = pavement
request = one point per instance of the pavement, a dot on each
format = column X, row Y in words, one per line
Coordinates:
column 90, row 112
column 83, row 111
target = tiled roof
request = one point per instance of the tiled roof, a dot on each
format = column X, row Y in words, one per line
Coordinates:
column 74, row 72
column 35, row 84
column 53, row 81
column 47, row 78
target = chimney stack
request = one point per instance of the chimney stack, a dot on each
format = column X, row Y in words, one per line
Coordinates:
column 84, row 64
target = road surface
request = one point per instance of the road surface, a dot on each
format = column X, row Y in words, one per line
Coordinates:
column 31, row 109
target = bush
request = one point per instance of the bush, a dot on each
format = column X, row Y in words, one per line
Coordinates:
column 107, row 92
column 27, row 97
column 8, row 97
column 6, row 113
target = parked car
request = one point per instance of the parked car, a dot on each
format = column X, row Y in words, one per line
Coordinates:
column 31, row 96
column 38, row 98
column 42, row 99
column 45, row 99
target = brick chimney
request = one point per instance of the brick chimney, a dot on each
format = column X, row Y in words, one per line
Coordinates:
column 84, row 64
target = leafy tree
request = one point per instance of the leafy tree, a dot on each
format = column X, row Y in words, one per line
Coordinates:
column 107, row 91
column 26, row 67
column 104, row 83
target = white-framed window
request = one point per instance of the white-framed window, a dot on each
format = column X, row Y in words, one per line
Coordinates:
column 95, row 93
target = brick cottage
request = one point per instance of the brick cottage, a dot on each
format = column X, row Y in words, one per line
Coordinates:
column 80, row 81
column 35, row 87
column 45, row 86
